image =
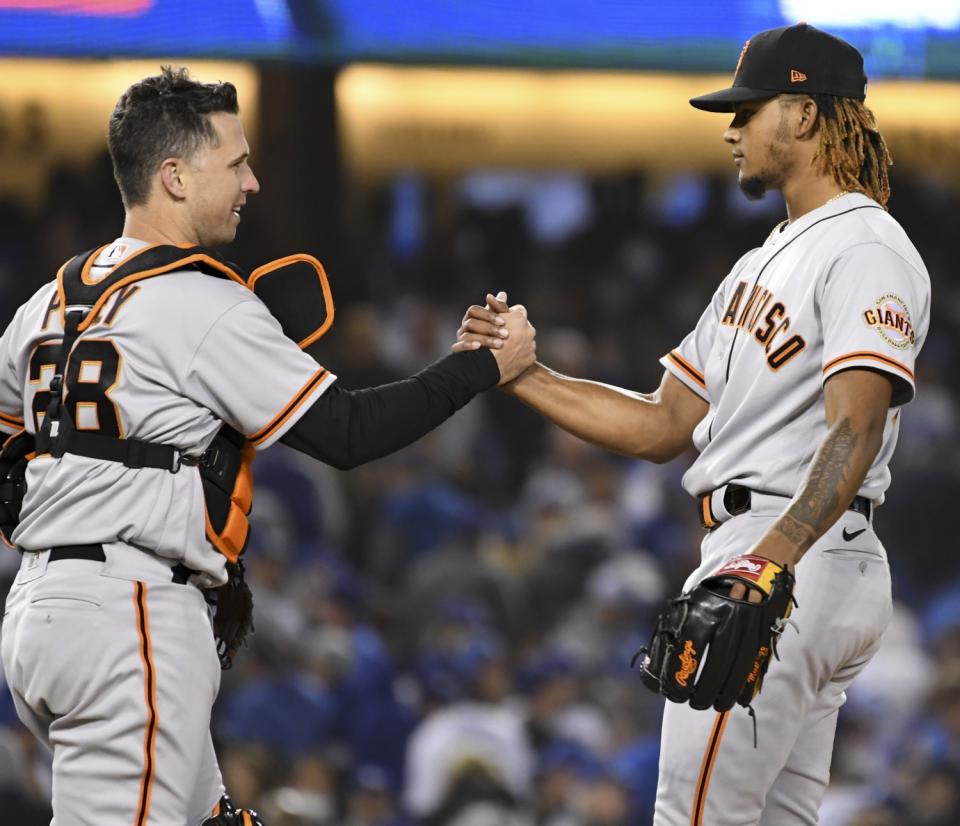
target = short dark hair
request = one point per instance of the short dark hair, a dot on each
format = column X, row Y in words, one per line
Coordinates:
column 161, row 117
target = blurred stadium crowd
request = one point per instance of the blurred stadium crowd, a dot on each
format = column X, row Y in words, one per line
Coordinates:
column 444, row 636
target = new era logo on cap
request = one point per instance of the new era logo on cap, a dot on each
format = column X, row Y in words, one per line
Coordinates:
column 797, row 76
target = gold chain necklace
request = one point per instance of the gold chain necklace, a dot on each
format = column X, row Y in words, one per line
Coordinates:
column 782, row 225
column 840, row 194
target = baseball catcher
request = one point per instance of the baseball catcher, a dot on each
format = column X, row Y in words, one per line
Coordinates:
column 146, row 375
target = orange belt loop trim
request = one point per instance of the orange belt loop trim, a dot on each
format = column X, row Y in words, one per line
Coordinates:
column 706, row 769
column 707, row 512
column 150, row 694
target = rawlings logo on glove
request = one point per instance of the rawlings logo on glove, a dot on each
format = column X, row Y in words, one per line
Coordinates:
column 743, row 564
column 712, row 650
column 688, row 663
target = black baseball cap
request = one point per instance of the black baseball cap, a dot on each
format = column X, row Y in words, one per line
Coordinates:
column 799, row 58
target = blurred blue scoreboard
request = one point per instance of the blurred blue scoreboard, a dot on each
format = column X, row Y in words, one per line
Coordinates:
column 921, row 40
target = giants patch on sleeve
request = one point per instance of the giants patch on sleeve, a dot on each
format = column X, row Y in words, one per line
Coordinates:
column 891, row 319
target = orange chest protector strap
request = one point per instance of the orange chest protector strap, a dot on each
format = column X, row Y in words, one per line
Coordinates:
column 295, row 290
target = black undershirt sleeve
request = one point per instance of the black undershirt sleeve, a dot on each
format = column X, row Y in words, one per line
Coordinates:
column 346, row 428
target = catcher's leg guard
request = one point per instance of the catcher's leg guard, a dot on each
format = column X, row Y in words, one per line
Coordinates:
column 228, row 815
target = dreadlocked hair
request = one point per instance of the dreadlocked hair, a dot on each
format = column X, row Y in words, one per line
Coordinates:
column 852, row 150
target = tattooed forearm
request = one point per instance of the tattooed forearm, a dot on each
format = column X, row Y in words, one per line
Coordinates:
column 830, row 485
column 794, row 530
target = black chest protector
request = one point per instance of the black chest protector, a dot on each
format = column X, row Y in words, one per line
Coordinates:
column 295, row 290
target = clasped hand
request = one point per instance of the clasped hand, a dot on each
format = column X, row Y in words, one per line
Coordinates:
column 505, row 330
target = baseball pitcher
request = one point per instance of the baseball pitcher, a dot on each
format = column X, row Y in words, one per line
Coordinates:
column 790, row 388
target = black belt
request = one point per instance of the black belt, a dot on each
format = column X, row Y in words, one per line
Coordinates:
column 95, row 553
column 736, row 500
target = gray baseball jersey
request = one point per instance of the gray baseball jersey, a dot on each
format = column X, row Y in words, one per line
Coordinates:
column 168, row 360
column 840, row 287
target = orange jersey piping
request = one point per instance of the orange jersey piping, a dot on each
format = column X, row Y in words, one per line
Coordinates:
column 150, row 696
column 706, row 769
column 180, row 264
column 687, row 368
column 88, row 264
column 868, row 355
column 292, row 407
column 9, row 420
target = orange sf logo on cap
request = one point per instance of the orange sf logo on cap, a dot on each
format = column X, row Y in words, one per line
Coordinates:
column 743, row 51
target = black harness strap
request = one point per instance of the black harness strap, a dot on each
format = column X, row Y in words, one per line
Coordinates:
column 134, row 453
column 77, row 289
column 50, row 435
column 81, row 300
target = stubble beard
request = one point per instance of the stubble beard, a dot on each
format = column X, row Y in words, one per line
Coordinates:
column 774, row 176
column 217, row 236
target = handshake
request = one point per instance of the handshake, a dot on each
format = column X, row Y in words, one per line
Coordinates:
column 505, row 331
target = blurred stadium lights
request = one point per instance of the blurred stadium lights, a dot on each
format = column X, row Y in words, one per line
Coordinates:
column 917, row 14
column 56, row 111
column 104, row 8
column 443, row 121
column 899, row 39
